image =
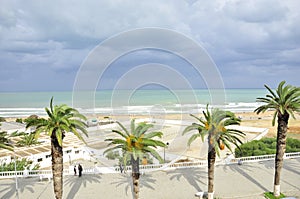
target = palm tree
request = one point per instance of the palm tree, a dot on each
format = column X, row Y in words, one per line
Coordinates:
column 216, row 125
column 61, row 119
column 5, row 142
column 134, row 144
column 285, row 101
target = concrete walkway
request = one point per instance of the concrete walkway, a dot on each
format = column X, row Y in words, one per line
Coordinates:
column 233, row 181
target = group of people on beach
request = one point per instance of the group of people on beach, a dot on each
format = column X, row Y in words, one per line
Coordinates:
column 79, row 168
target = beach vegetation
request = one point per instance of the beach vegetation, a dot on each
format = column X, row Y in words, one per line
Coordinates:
column 19, row 120
column 21, row 164
column 61, row 119
column 134, row 144
column 28, row 140
column 31, row 119
column 17, row 133
column 284, row 101
column 2, row 119
column 216, row 127
column 265, row 146
column 5, row 142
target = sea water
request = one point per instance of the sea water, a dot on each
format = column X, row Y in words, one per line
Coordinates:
column 22, row 104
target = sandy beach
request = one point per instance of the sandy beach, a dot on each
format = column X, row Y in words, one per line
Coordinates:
column 172, row 133
column 257, row 177
column 251, row 119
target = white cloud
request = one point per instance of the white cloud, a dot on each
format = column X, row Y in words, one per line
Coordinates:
column 256, row 11
column 237, row 33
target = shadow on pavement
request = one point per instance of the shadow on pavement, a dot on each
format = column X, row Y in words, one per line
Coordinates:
column 76, row 182
column 146, row 180
column 244, row 170
column 9, row 190
column 291, row 166
column 192, row 175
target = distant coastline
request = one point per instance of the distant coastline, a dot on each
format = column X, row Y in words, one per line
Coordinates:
column 22, row 104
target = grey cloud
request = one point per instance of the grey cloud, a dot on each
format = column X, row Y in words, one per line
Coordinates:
column 56, row 36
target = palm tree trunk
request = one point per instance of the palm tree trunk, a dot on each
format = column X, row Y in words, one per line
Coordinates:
column 135, row 176
column 211, row 170
column 280, row 149
column 57, row 166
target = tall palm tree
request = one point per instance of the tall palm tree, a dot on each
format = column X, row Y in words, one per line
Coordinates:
column 215, row 125
column 284, row 101
column 134, row 143
column 61, row 119
column 5, row 142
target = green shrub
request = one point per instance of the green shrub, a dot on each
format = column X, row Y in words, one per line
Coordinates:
column 2, row 119
column 19, row 120
column 265, row 146
column 21, row 164
column 294, row 143
column 270, row 151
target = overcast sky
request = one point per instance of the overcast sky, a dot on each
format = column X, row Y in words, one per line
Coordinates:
column 43, row 43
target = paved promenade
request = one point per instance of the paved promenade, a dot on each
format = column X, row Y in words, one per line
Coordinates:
column 233, row 181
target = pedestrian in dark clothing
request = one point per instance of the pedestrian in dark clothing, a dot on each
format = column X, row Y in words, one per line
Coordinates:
column 75, row 171
column 121, row 168
column 79, row 170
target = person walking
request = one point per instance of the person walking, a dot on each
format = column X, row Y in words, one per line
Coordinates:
column 79, row 170
column 121, row 167
column 75, row 170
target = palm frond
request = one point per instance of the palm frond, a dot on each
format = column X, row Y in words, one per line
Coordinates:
column 119, row 133
column 115, row 141
column 113, row 149
column 194, row 116
column 51, row 104
column 193, row 138
column 192, row 127
column 153, row 143
column 154, row 153
column 154, row 134
column 123, row 128
column 143, row 128
column 132, row 126
column 59, row 136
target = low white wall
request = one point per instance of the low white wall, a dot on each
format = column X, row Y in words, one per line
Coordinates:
column 70, row 156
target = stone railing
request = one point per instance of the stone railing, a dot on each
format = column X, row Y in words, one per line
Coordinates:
column 262, row 158
column 144, row 168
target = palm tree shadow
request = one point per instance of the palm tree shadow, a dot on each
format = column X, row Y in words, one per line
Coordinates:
column 290, row 166
column 23, row 184
column 124, row 179
column 146, row 180
column 269, row 164
column 75, row 182
column 294, row 168
column 193, row 176
column 243, row 170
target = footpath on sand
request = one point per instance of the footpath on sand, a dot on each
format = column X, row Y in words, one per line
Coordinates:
column 231, row 181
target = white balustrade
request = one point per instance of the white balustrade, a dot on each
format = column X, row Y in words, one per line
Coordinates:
column 143, row 168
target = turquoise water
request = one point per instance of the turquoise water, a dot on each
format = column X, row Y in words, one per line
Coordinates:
column 124, row 101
